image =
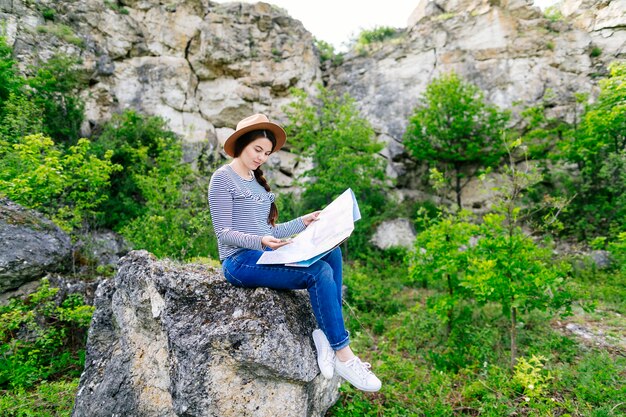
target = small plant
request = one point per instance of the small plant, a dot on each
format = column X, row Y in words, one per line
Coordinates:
column 531, row 376
column 277, row 55
column 327, row 52
column 550, row 45
column 553, row 14
column 444, row 16
column 42, row 338
column 63, row 32
column 115, row 7
column 48, row 14
column 378, row 34
column 595, row 52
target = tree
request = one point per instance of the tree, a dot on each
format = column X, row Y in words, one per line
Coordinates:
column 598, row 147
column 341, row 144
column 454, row 129
column 442, row 253
column 508, row 267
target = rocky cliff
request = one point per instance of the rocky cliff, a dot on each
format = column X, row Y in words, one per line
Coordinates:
column 203, row 65
column 507, row 48
column 178, row 340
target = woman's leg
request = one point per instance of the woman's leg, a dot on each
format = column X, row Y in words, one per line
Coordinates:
column 242, row 270
column 333, row 258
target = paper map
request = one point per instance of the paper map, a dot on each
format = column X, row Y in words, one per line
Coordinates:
column 334, row 224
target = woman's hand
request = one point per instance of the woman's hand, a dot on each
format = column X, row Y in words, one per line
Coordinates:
column 274, row 243
column 311, row 217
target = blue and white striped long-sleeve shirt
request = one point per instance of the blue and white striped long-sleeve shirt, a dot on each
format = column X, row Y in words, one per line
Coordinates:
column 239, row 211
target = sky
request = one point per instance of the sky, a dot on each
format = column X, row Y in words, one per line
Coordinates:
column 338, row 21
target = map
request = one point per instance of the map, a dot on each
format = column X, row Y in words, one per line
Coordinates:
column 334, row 225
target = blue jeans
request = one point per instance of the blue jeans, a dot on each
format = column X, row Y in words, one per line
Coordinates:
column 323, row 281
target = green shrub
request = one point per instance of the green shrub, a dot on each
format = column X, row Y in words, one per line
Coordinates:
column 63, row 32
column 48, row 399
column 48, row 14
column 67, row 186
column 328, row 129
column 156, row 201
column 42, row 338
column 595, row 52
column 456, row 131
column 377, row 34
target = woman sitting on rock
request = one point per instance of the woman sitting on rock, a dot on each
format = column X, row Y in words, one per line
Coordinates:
column 244, row 217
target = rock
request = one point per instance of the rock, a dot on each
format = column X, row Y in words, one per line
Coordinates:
column 171, row 340
column 102, row 247
column 30, row 246
column 506, row 48
column 394, row 233
column 66, row 286
column 601, row 259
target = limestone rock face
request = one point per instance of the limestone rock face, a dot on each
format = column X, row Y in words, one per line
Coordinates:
column 172, row 340
column 200, row 65
column 30, row 246
column 394, row 233
column 604, row 20
column 507, row 48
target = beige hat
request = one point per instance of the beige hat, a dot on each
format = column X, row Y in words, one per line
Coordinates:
column 255, row 122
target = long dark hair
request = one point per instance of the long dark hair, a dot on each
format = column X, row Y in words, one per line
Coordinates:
column 244, row 141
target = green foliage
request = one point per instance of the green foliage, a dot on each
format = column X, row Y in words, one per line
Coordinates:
column 54, row 88
column 61, row 31
column 48, row 399
column 377, row 34
column 456, row 130
column 342, row 147
column 136, row 142
column 156, row 201
column 42, row 338
column 327, row 52
column 9, row 80
column 48, row 14
column 116, row 7
column 66, row 186
column 595, row 52
column 553, row 14
column 45, row 102
column 598, row 148
column 441, row 255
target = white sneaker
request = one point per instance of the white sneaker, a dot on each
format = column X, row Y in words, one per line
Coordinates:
column 325, row 354
column 358, row 374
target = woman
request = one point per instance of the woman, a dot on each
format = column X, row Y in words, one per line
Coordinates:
column 244, row 217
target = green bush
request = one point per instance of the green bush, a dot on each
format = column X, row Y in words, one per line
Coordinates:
column 49, row 98
column 42, row 338
column 341, row 144
column 597, row 147
column 377, row 34
column 48, row 399
column 454, row 130
column 66, row 186
column 156, row 200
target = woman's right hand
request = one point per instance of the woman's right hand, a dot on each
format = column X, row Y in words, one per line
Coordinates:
column 274, row 243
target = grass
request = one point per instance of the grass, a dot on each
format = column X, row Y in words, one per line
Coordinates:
column 427, row 373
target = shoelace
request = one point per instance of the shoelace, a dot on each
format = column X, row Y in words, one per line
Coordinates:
column 361, row 368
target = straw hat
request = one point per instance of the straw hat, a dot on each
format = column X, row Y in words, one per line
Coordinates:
column 255, row 122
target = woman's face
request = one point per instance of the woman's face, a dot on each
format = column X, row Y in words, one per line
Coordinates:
column 256, row 153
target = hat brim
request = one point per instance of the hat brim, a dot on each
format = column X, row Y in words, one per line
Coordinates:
column 279, row 134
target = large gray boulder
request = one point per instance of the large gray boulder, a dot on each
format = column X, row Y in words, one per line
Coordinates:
column 30, row 246
column 178, row 340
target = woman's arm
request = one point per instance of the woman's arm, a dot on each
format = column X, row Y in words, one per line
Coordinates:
column 221, row 206
column 294, row 226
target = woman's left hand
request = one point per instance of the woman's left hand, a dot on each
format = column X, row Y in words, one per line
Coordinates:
column 311, row 217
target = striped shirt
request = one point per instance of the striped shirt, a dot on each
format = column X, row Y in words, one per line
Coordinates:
column 239, row 211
